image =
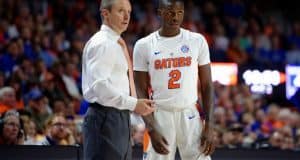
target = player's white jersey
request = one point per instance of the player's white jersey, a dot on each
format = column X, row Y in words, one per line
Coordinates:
column 172, row 63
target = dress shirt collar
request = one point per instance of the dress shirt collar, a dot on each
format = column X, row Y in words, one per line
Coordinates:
column 114, row 35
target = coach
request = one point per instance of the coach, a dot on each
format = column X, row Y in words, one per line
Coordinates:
column 107, row 84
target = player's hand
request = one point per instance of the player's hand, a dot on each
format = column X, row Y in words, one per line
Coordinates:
column 159, row 143
column 144, row 107
column 207, row 141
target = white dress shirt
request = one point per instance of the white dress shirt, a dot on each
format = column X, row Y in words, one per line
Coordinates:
column 104, row 71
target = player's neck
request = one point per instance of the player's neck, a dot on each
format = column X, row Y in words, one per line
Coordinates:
column 168, row 32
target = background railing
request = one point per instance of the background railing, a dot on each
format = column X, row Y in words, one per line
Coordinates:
column 75, row 153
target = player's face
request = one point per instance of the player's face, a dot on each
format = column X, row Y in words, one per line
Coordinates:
column 172, row 15
column 119, row 15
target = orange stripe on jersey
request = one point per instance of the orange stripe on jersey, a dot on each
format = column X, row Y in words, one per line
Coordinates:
column 146, row 141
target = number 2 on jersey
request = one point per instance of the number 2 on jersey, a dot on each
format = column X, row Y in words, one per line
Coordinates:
column 174, row 75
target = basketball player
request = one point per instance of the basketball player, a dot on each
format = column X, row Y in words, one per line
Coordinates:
column 171, row 60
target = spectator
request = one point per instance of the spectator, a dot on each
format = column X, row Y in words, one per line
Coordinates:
column 11, row 58
column 138, row 134
column 32, row 137
column 10, row 129
column 276, row 140
column 70, row 81
column 57, row 132
column 50, row 89
column 297, row 144
column 2, row 79
column 235, row 136
column 293, row 55
column 38, row 108
column 59, row 106
column 237, row 54
column 7, row 99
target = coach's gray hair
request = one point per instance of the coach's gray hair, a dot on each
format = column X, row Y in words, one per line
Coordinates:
column 107, row 4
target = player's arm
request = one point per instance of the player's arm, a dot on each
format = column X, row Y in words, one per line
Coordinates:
column 141, row 77
column 206, row 93
column 142, row 84
column 159, row 142
column 207, row 139
column 206, row 89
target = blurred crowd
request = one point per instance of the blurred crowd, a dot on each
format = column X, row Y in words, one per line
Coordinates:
column 41, row 43
column 246, row 120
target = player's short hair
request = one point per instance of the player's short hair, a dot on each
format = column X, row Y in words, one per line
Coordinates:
column 163, row 3
column 107, row 4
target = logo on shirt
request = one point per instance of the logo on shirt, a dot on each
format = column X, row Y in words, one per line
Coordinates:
column 185, row 49
column 191, row 117
column 157, row 52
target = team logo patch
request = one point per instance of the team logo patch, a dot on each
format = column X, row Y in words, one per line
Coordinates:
column 185, row 49
column 156, row 52
column 191, row 117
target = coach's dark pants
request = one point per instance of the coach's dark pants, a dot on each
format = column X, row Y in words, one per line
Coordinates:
column 106, row 134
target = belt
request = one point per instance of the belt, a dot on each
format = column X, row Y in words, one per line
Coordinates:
column 101, row 107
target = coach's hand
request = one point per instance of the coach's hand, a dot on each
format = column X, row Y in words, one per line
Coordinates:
column 144, row 107
column 207, row 141
column 159, row 142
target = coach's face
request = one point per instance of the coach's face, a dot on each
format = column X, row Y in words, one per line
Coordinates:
column 119, row 15
column 172, row 14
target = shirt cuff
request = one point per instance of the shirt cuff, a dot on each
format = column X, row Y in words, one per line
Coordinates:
column 203, row 63
column 140, row 69
column 131, row 103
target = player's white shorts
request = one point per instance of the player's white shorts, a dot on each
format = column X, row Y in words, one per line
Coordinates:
column 182, row 130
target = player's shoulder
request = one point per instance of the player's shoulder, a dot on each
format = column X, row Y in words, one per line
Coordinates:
column 146, row 40
column 193, row 36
